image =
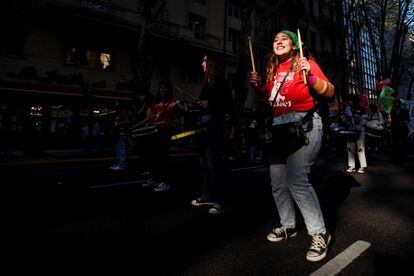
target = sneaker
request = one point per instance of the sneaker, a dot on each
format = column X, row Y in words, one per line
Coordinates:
column 162, row 187
column 350, row 169
column 217, row 209
column 281, row 233
column 200, row 202
column 319, row 247
column 150, row 183
column 362, row 170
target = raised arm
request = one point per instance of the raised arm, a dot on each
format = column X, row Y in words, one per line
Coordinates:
column 319, row 82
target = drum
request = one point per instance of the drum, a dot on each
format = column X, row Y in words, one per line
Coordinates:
column 143, row 132
column 265, row 136
column 374, row 132
column 348, row 133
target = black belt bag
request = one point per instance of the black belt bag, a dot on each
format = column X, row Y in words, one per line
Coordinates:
column 287, row 139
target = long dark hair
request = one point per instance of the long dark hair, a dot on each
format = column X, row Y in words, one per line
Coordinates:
column 212, row 70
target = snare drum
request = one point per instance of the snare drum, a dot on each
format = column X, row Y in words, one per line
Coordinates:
column 374, row 132
column 348, row 133
column 143, row 132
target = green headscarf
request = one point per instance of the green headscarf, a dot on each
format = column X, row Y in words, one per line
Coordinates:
column 292, row 37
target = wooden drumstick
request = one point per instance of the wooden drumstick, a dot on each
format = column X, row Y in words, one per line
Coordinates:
column 186, row 93
column 301, row 55
column 251, row 54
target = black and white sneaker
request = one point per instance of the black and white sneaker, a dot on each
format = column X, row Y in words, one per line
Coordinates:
column 218, row 209
column 319, row 247
column 281, row 233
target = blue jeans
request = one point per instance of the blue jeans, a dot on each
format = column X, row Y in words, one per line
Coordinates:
column 120, row 151
column 211, row 151
column 290, row 182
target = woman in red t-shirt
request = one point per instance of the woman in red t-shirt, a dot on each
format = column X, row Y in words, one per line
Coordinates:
column 293, row 105
column 156, row 148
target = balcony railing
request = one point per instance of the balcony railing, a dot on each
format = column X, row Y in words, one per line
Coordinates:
column 96, row 9
column 173, row 30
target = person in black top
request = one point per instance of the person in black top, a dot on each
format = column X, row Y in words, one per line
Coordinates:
column 216, row 102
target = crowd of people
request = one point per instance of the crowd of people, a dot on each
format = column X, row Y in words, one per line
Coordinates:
column 285, row 130
column 370, row 128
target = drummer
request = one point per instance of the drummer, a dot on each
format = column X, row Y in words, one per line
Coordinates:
column 356, row 144
column 156, row 148
column 374, row 119
column 374, row 127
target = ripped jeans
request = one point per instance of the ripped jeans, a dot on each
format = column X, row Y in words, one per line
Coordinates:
column 360, row 148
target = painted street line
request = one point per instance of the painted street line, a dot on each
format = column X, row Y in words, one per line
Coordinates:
column 335, row 265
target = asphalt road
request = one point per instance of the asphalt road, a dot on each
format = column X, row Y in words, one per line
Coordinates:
column 71, row 215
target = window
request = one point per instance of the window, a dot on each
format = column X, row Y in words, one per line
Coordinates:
column 90, row 58
column 105, row 61
column 202, row 2
column 233, row 11
column 311, row 8
column 234, row 37
column 196, row 22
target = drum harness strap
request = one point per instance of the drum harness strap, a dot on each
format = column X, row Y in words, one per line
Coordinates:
column 309, row 113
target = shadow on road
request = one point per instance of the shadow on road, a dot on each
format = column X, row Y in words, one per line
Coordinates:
column 388, row 265
column 332, row 190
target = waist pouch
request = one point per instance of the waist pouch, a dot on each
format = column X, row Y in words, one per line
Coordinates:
column 288, row 138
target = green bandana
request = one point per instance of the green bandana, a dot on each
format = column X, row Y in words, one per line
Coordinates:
column 292, row 37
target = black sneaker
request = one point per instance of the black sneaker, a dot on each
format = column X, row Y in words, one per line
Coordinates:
column 201, row 202
column 218, row 209
column 319, row 247
column 281, row 233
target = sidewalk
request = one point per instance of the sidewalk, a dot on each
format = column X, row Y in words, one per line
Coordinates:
column 65, row 155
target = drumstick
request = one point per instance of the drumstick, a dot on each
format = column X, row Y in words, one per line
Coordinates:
column 187, row 133
column 185, row 92
column 148, row 118
column 301, row 55
column 251, row 54
column 107, row 113
column 139, row 123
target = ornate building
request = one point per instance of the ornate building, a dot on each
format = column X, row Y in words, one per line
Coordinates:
column 64, row 62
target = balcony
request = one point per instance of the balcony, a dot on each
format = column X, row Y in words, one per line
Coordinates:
column 175, row 31
column 94, row 9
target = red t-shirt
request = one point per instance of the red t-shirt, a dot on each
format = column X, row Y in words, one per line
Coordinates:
column 161, row 113
column 294, row 94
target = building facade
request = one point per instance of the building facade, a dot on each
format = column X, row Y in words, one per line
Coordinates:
column 64, row 62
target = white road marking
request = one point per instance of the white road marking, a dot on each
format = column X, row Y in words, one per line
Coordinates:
column 335, row 265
